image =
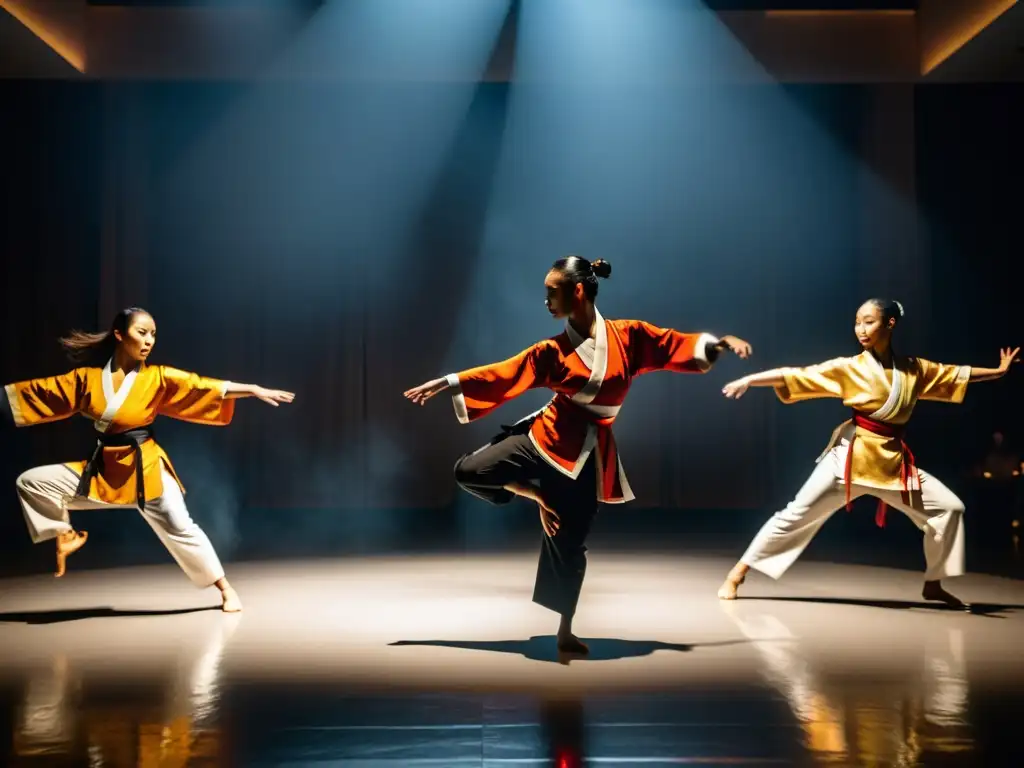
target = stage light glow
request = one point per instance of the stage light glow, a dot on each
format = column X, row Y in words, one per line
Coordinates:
column 61, row 40
column 970, row 24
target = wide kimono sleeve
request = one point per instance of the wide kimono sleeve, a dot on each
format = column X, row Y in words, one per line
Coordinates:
column 478, row 391
column 194, row 398
column 650, row 348
column 827, row 379
column 39, row 401
column 942, row 382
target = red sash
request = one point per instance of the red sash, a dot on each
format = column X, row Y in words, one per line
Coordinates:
column 908, row 467
column 606, row 448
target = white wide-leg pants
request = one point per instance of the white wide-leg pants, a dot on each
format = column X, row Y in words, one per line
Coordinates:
column 936, row 511
column 47, row 494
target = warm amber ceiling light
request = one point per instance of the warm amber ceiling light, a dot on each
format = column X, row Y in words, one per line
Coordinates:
column 840, row 13
column 964, row 33
column 58, row 42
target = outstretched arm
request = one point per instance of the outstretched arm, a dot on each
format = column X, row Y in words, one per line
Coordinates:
column 664, row 349
column 736, row 389
column 792, row 385
column 478, row 391
column 201, row 400
column 274, row 397
column 948, row 383
column 427, row 390
column 40, row 401
column 736, row 345
column 1006, row 358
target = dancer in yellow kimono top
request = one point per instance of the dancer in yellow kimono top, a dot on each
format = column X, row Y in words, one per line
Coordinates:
column 127, row 468
column 867, row 455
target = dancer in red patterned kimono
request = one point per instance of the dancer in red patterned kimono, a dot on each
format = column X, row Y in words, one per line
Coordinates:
column 563, row 457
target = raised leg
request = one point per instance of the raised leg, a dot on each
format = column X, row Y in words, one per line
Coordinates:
column 45, row 494
column 509, row 459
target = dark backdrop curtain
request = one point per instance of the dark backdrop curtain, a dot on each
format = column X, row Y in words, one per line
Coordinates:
column 278, row 267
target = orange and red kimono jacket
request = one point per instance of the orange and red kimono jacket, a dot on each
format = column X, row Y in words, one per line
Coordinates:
column 590, row 378
column 145, row 393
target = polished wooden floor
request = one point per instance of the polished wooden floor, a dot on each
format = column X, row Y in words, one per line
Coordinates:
column 445, row 661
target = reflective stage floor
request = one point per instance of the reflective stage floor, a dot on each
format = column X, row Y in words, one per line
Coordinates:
column 444, row 661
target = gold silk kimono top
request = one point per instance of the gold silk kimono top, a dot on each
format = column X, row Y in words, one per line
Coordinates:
column 145, row 393
column 880, row 395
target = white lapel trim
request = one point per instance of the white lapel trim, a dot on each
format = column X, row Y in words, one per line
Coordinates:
column 627, row 492
column 598, row 365
column 589, row 443
column 580, row 346
column 114, row 399
column 586, row 350
column 889, row 408
column 12, row 401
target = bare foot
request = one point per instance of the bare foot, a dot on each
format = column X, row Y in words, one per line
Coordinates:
column 933, row 591
column 728, row 590
column 68, row 543
column 232, row 602
column 569, row 643
column 732, row 583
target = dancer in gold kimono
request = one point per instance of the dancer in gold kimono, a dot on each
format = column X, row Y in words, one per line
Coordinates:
column 867, row 455
column 127, row 468
column 564, row 457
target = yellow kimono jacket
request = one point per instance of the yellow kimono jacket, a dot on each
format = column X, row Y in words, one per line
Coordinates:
column 887, row 396
column 146, row 392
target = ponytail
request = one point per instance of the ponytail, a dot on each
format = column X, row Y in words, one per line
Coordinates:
column 84, row 347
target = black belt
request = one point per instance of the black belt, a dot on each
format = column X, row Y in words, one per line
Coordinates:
column 133, row 438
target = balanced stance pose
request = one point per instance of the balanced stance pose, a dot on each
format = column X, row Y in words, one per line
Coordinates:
column 563, row 457
column 867, row 455
column 127, row 468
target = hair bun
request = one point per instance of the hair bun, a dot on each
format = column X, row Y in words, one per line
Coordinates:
column 601, row 268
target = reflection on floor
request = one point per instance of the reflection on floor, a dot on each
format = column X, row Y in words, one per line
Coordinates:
column 861, row 719
column 445, row 662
